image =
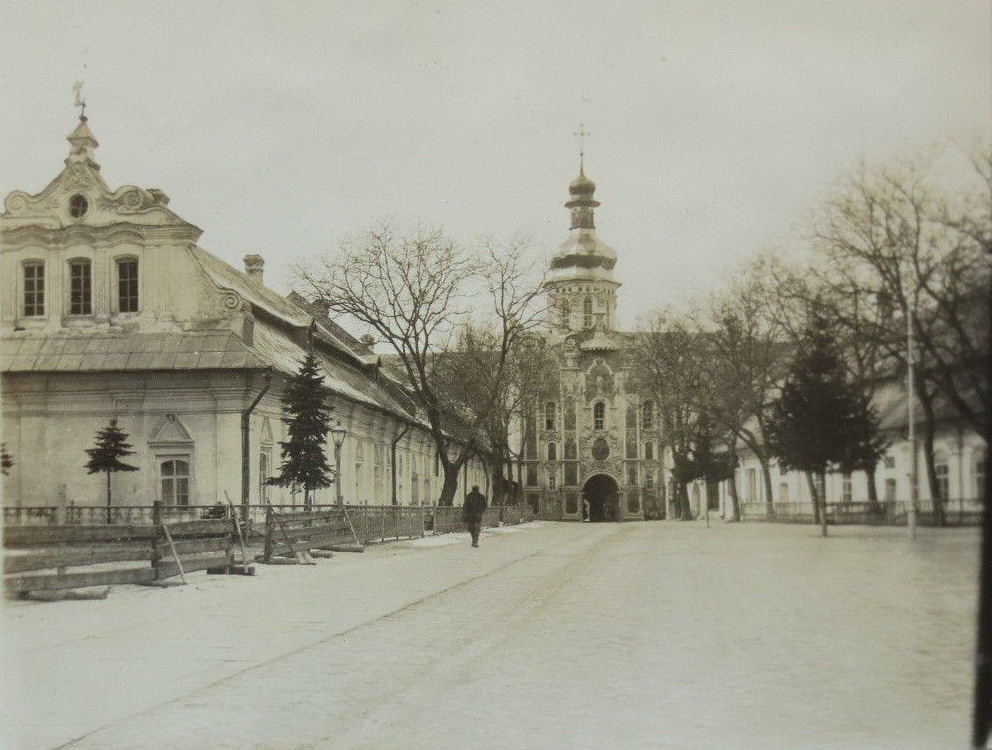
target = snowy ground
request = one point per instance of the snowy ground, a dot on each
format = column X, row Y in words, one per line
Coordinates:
column 650, row 635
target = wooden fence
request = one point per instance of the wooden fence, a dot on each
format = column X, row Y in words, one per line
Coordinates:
column 39, row 558
column 289, row 532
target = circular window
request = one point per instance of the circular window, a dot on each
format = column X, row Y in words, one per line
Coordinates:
column 600, row 449
column 78, row 206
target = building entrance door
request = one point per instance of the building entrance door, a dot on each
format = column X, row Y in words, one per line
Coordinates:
column 603, row 496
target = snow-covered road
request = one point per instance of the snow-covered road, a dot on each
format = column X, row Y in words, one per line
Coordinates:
column 651, row 635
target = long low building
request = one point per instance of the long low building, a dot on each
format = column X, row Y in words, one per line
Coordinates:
column 110, row 308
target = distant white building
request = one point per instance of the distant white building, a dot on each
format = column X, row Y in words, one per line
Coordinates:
column 959, row 457
column 111, row 309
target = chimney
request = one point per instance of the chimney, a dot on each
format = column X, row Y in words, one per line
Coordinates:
column 253, row 267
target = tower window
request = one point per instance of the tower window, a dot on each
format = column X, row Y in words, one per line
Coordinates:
column 587, row 313
column 599, row 416
column 647, row 415
column 78, row 206
column 80, row 288
column 127, row 285
column 34, row 289
column 552, row 452
column 649, row 451
column 550, row 415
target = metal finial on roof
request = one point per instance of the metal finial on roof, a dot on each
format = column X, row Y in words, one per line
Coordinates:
column 79, row 101
column 582, row 133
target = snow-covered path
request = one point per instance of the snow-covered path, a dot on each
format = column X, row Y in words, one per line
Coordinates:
column 652, row 635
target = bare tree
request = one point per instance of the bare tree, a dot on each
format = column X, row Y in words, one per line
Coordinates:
column 422, row 295
column 666, row 365
column 744, row 363
column 886, row 238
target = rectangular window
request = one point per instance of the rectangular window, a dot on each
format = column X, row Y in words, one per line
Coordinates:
column 783, row 492
column 889, row 462
column 174, row 474
column 127, row 286
column 631, row 473
column 80, row 288
column 34, row 289
column 845, row 489
column 752, row 486
column 552, row 480
column 649, row 479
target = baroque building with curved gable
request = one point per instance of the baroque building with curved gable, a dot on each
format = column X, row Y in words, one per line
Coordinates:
column 110, row 308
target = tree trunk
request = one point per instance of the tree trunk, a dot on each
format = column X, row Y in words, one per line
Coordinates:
column 450, row 485
column 499, row 487
column 873, row 505
column 735, row 500
column 819, row 511
column 109, row 512
column 766, row 475
column 929, row 429
column 306, row 498
column 685, row 511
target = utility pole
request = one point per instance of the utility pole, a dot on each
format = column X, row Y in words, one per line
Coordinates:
column 910, row 397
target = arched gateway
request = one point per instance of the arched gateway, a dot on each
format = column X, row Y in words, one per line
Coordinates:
column 602, row 496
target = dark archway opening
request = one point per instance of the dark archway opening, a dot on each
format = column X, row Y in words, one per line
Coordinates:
column 601, row 499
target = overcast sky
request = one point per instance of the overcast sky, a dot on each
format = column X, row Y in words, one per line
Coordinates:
column 281, row 127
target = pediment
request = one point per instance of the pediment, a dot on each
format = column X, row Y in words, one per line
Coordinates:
column 170, row 430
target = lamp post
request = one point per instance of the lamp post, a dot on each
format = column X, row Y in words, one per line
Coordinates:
column 338, row 434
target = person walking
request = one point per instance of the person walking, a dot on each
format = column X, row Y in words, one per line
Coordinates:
column 472, row 510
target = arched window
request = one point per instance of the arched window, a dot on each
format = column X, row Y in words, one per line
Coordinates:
column 34, row 288
column 127, row 285
column 631, row 418
column 80, row 287
column 552, row 451
column 550, row 415
column 564, row 313
column 649, row 451
column 587, row 312
column 647, row 415
column 599, row 416
column 175, row 481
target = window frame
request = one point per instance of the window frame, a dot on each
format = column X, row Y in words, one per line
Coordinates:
column 119, row 263
column 587, row 312
column 38, row 310
column 185, row 458
column 86, row 294
column 599, row 415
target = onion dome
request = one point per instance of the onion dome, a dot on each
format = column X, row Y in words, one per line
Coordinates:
column 582, row 185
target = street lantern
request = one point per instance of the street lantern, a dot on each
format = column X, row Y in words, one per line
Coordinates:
column 338, row 434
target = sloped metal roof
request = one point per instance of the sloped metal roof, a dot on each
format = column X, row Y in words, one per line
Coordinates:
column 101, row 351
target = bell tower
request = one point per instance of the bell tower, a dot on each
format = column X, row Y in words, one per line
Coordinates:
column 581, row 288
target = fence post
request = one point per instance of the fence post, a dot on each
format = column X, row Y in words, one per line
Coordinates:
column 157, row 524
column 267, row 553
